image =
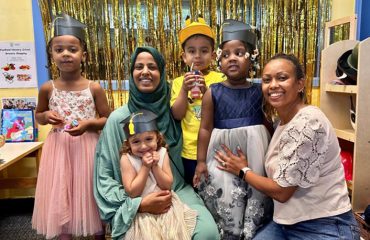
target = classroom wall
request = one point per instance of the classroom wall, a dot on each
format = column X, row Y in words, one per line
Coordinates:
column 363, row 15
column 342, row 8
column 17, row 25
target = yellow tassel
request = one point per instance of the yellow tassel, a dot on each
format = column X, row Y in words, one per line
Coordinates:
column 131, row 127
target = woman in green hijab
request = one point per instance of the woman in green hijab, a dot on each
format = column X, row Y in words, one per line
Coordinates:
column 148, row 90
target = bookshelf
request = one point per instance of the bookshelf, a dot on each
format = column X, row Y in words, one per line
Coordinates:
column 335, row 103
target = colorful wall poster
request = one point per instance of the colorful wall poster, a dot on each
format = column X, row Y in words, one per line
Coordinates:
column 17, row 65
column 18, row 125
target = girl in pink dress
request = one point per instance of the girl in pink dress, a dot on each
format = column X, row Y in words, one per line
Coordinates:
column 77, row 109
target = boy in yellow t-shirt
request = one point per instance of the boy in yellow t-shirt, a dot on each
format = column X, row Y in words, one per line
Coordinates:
column 197, row 41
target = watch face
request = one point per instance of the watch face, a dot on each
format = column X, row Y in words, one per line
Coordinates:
column 241, row 174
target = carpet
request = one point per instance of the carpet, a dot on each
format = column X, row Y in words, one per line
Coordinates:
column 15, row 220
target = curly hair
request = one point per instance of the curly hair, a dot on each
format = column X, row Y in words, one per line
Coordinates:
column 161, row 142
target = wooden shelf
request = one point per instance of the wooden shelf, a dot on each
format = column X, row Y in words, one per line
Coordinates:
column 346, row 134
column 349, row 186
column 351, row 89
column 336, row 104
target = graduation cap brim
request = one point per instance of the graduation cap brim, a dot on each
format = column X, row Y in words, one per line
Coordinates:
column 64, row 24
column 235, row 30
column 139, row 122
column 344, row 67
column 244, row 36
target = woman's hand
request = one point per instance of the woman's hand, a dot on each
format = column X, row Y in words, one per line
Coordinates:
column 201, row 169
column 230, row 162
column 156, row 203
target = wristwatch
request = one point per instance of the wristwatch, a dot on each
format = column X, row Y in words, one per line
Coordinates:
column 243, row 171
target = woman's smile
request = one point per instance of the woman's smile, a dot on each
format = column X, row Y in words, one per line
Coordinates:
column 146, row 74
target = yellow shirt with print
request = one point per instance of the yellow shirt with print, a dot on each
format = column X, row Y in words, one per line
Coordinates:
column 191, row 122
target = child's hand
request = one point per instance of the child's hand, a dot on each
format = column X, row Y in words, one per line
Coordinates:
column 53, row 118
column 147, row 160
column 155, row 158
column 202, row 83
column 189, row 80
column 199, row 171
column 79, row 129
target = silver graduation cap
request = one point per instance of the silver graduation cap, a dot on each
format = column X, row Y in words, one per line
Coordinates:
column 236, row 30
column 64, row 24
column 139, row 122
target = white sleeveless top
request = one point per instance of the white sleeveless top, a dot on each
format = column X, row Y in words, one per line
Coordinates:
column 73, row 104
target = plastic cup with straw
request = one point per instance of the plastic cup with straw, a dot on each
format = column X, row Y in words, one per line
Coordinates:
column 195, row 92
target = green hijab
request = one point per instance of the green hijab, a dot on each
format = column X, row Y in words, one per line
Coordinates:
column 159, row 103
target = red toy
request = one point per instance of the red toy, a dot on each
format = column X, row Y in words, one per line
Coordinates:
column 347, row 162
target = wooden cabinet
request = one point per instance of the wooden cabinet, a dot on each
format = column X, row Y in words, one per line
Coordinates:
column 335, row 103
column 18, row 169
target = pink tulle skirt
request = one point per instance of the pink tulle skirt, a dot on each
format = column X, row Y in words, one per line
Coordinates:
column 64, row 201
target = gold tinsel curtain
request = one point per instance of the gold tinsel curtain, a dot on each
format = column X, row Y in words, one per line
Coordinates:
column 116, row 27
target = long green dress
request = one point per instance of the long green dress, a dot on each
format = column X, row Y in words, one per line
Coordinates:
column 115, row 206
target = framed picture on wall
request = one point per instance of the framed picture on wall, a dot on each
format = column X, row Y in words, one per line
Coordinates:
column 18, row 103
column 18, row 125
column 340, row 29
